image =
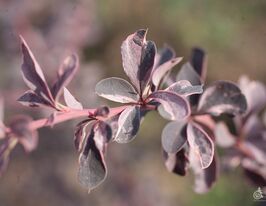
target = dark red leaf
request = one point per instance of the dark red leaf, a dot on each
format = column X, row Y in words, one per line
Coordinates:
column 31, row 99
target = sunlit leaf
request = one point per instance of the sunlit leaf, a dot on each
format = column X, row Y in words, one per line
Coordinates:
column 71, row 100
column 201, row 144
column 174, row 136
column 184, row 87
column 174, row 105
column 128, row 124
column 66, row 73
column 116, row 89
column 222, row 97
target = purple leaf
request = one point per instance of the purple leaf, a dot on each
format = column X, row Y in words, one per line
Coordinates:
column 204, row 178
column 138, row 58
column 201, row 144
column 174, row 137
column 31, row 99
column 175, row 106
column 128, row 124
column 255, row 93
column 20, row 129
column 187, row 72
column 33, row 75
column 222, row 97
column 70, row 100
column 116, row 89
column 199, row 62
column 163, row 69
column 184, row 87
column 66, row 73
column 177, row 163
column 102, row 111
column 103, row 134
column 223, row 137
column 80, row 133
column 92, row 167
column 164, row 55
column 253, row 127
column 2, row 126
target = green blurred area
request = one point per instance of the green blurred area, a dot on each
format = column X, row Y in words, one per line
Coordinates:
column 233, row 33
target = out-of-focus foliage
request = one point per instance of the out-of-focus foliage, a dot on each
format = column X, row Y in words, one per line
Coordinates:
column 232, row 33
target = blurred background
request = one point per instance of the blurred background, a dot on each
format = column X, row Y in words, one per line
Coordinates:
column 233, row 33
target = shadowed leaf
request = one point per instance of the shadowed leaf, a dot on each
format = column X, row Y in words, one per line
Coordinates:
column 187, row 72
column 184, row 87
column 66, row 73
column 201, row 144
column 116, row 89
column 199, row 62
column 222, row 97
column 92, row 168
column 128, row 124
column 174, row 136
column 31, row 99
column 103, row 134
column 164, row 55
column 80, row 133
column 71, row 101
column 175, row 106
column 177, row 163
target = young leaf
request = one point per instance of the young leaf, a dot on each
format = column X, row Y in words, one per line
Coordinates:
column 164, row 68
column 71, row 101
column 175, row 106
column 66, row 73
column 33, row 75
column 102, row 111
column 187, row 72
column 222, row 97
column 138, row 58
column 116, row 89
column 31, row 99
column 223, row 137
column 201, row 144
column 92, row 168
column 20, row 129
column 184, row 87
column 177, row 163
column 174, row 136
column 128, row 124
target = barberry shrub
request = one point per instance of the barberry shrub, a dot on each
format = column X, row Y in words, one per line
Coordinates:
column 199, row 116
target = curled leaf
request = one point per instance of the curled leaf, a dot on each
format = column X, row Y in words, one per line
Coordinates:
column 80, row 133
column 128, row 124
column 66, row 73
column 116, row 89
column 201, row 144
column 222, row 97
